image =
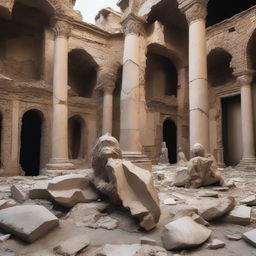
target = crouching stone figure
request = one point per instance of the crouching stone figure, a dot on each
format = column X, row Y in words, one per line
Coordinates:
column 202, row 169
column 125, row 183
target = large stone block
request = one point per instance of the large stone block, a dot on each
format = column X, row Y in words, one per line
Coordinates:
column 28, row 222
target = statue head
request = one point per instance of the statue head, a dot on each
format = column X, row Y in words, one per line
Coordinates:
column 106, row 147
column 198, row 150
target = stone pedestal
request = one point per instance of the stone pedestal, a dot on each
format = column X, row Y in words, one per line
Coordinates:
column 248, row 159
column 107, row 118
column 130, row 93
column 59, row 159
column 195, row 11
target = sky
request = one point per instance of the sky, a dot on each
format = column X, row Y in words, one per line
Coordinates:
column 90, row 8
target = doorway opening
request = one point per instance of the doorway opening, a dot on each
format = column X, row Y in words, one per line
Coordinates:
column 75, row 130
column 232, row 130
column 31, row 142
column 170, row 138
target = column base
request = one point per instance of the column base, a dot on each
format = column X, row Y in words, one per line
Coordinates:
column 247, row 164
column 60, row 164
column 138, row 159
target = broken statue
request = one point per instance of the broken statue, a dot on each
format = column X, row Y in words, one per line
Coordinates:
column 125, row 183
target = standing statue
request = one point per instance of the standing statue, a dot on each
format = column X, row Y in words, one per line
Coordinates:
column 125, row 183
column 181, row 158
column 164, row 157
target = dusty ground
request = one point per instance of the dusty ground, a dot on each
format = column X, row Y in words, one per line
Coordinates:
column 128, row 232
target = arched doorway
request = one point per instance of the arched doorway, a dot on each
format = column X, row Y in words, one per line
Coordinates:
column 76, row 137
column 170, row 138
column 31, row 142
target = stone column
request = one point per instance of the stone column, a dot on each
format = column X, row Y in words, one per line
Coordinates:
column 196, row 11
column 248, row 159
column 107, row 118
column 59, row 159
column 130, row 93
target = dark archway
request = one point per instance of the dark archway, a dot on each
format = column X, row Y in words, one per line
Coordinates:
column 221, row 10
column 232, row 130
column 170, row 138
column 82, row 73
column 219, row 70
column 161, row 76
column 31, row 142
column 1, row 130
column 76, row 133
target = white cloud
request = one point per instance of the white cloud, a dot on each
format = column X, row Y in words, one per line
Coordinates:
column 90, row 8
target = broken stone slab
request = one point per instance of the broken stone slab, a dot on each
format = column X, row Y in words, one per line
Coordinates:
column 240, row 215
column 216, row 244
column 207, row 193
column 250, row 237
column 221, row 189
column 147, row 250
column 234, row 237
column 17, row 194
column 72, row 246
column 28, row 222
column 184, row 233
column 68, row 190
column 148, row 241
column 250, row 200
column 181, row 177
column 215, row 208
column 170, row 201
column 118, row 250
column 39, row 190
column 4, row 237
column 199, row 219
column 6, row 204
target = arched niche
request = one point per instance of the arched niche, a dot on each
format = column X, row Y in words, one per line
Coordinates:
column 82, row 73
column 219, row 70
column 30, row 142
column 161, row 76
column 222, row 10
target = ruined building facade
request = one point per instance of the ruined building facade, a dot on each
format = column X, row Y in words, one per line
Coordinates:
column 152, row 73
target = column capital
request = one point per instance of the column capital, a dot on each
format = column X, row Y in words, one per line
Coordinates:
column 133, row 25
column 194, row 9
column 245, row 78
column 61, row 28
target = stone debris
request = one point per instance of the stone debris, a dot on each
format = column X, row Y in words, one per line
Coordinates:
column 131, row 250
column 216, row 244
column 17, row 194
column 4, row 237
column 69, row 190
column 148, row 241
column 39, row 190
column 199, row 219
column 181, row 177
column 234, row 237
column 215, row 208
column 240, row 215
column 125, row 183
column 250, row 200
column 221, row 189
column 6, row 204
column 250, row 237
column 208, row 193
column 72, row 246
column 170, row 201
column 28, row 222
column 184, row 233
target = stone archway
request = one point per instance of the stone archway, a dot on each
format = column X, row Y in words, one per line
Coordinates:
column 170, row 138
column 30, row 142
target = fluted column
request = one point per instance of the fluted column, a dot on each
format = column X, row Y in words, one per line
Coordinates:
column 59, row 158
column 107, row 118
column 196, row 11
column 245, row 81
column 129, row 124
